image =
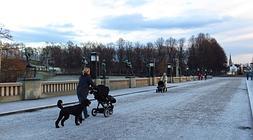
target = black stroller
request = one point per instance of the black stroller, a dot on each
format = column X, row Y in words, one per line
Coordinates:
column 106, row 101
column 161, row 87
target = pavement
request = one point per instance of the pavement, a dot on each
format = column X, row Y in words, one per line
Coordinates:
column 34, row 105
column 249, row 84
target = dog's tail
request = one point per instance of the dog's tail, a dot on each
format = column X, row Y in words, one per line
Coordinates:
column 59, row 104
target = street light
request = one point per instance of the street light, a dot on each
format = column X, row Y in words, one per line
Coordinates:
column 104, row 70
column 187, row 71
column 177, row 67
column 94, row 58
column 169, row 71
column 152, row 68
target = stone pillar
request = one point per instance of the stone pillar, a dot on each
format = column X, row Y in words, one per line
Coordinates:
column 97, row 81
column 151, row 81
column 32, row 89
column 132, row 82
column 106, row 82
column 154, row 81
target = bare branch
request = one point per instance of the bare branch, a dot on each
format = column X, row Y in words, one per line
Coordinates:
column 4, row 33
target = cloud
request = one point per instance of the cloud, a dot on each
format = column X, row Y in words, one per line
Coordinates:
column 135, row 22
column 243, row 58
column 239, row 49
column 51, row 33
column 111, row 3
column 135, row 3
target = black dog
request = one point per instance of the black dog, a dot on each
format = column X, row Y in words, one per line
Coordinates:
column 75, row 110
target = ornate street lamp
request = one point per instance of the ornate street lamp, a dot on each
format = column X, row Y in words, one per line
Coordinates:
column 94, row 58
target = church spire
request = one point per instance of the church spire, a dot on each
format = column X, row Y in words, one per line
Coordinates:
column 230, row 63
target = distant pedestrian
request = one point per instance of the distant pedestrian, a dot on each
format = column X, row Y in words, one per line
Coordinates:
column 199, row 76
column 164, row 79
column 247, row 75
column 251, row 75
column 83, row 86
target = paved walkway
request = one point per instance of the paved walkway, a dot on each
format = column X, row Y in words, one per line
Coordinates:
column 33, row 105
column 249, row 84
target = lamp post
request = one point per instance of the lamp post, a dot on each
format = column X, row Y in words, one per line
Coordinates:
column 152, row 68
column 104, row 70
column 152, row 72
column 187, row 71
column 177, row 67
column 169, row 71
column 94, row 58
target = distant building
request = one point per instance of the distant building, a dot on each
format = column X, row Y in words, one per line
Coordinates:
column 232, row 68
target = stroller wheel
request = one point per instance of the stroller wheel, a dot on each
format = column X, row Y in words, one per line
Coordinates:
column 106, row 112
column 110, row 111
column 94, row 112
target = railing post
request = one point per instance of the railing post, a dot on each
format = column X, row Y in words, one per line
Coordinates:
column 32, row 89
column 132, row 82
column 154, row 81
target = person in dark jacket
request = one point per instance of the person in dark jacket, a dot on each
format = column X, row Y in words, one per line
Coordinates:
column 84, row 83
column 247, row 75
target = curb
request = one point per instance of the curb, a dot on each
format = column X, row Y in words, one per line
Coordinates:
column 250, row 94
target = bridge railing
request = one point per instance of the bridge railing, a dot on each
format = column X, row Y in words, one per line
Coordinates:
column 50, row 87
column 11, row 91
column 42, row 89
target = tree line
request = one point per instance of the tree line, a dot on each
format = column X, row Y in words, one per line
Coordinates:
column 200, row 53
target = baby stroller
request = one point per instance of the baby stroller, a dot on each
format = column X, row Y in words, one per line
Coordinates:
column 106, row 101
column 161, row 87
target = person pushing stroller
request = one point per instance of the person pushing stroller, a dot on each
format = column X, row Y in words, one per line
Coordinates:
column 162, row 84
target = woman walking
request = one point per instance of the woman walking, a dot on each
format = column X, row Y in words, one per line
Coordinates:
column 84, row 83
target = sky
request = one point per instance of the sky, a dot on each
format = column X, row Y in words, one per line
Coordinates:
column 33, row 22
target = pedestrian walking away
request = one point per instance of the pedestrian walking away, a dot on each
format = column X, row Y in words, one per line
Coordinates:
column 247, row 75
column 83, row 86
column 251, row 75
